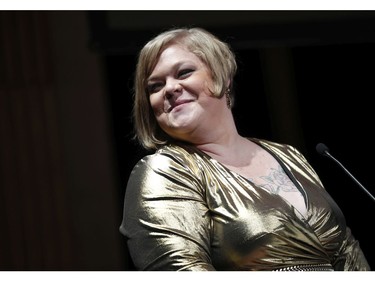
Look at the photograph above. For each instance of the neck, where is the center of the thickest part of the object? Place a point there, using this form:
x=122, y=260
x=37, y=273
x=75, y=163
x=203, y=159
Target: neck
x=226, y=147
x=218, y=131
x=224, y=134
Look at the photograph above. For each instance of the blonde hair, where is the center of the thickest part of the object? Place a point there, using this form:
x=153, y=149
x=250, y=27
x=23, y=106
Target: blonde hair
x=216, y=54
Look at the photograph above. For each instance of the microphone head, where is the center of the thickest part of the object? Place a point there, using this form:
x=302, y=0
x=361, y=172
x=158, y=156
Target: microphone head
x=322, y=149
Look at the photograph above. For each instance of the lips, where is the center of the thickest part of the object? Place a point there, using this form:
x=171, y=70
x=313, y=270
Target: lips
x=178, y=103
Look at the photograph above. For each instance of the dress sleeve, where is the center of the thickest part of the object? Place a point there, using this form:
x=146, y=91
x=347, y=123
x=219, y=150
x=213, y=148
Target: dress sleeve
x=351, y=257
x=166, y=219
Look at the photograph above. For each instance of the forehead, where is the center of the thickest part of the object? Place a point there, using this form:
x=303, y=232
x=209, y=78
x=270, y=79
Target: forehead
x=173, y=57
x=176, y=52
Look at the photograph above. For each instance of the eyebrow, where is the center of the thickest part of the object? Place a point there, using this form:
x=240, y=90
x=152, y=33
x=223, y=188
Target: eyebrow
x=174, y=67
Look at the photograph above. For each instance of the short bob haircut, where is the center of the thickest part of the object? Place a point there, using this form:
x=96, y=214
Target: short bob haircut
x=216, y=54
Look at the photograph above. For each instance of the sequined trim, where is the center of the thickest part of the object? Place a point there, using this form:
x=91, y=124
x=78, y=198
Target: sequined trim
x=307, y=267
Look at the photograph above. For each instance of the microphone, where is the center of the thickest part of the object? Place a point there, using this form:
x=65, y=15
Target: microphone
x=322, y=149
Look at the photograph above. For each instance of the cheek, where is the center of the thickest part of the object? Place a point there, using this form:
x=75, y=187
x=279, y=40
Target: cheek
x=157, y=103
x=205, y=84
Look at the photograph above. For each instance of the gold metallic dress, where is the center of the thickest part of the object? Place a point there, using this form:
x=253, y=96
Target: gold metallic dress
x=184, y=210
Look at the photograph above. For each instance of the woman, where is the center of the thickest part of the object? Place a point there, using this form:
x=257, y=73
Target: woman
x=209, y=198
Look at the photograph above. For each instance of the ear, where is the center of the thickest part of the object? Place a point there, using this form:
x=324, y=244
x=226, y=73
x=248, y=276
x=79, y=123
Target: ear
x=228, y=84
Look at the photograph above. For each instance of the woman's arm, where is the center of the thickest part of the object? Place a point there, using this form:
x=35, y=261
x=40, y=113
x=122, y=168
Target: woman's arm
x=166, y=219
x=351, y=257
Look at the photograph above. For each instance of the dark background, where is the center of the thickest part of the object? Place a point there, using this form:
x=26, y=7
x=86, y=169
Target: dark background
x=304, y=77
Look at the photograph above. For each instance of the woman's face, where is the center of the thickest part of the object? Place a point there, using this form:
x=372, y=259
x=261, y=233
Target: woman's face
x=179, y=93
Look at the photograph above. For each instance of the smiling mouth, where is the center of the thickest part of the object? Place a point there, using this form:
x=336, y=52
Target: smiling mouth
x=177, y=104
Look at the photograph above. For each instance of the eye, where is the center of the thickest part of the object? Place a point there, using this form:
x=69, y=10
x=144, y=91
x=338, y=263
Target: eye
x=154, y=87
x=185, y=72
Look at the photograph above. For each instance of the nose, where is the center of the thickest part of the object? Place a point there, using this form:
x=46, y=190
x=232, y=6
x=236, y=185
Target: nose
x=172, y=87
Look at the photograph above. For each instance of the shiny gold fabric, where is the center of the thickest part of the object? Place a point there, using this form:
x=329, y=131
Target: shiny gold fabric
x=185, y=211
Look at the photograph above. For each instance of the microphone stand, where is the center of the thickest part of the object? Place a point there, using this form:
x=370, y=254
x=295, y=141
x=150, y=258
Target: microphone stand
x=326, y=153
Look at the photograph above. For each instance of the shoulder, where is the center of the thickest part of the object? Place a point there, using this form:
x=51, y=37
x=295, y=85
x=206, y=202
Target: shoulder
x=291, y=157
x=287, y=153
x=171, y=170
x=276, y=147
x=174, y=159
